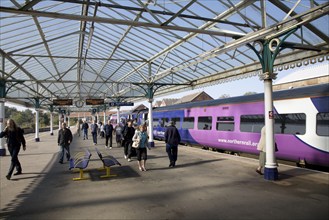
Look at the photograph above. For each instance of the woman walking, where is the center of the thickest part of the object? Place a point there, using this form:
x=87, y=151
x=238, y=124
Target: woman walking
x=141, y=151
x=15, y=139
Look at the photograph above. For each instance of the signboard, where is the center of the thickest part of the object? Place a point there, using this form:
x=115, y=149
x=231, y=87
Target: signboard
x=62, y=102
x=111, y=104
x=94, y=101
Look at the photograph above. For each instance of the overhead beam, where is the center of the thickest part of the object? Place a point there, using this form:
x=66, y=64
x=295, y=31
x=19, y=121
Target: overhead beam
x=168, y=13
x=75, y=58
x=178, y=13
x=118, y=21
x=266, y=33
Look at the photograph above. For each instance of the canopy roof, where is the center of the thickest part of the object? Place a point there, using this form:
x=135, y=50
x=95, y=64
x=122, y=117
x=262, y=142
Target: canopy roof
x=86, y=49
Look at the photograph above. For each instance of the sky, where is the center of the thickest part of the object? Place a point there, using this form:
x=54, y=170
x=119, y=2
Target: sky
x=233, y=88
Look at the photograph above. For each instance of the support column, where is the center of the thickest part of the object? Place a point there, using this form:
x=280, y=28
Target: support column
x=150, y=120
x=51, y=119
x=59, y=120
x=118, y=115
x=270, y=171
x=267, y=52
x=37, y=139
x=2, y=126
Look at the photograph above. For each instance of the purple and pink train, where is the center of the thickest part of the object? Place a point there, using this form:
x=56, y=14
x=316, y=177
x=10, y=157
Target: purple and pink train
x=234, y=124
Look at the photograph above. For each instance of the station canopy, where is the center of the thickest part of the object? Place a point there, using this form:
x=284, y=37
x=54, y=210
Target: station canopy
x=119, y=49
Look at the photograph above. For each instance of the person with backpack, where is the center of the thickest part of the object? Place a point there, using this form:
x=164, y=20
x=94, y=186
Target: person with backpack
x=15, y=138
x=108, y=130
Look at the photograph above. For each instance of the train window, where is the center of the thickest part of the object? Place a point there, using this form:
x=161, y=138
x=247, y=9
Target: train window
x=164, y=122
x=225, y=123
x=204, y=123
x=251, y=123
x=322, y=122
x=188, y=123
x=155, y=122
x=177, y=122
x=290, y=123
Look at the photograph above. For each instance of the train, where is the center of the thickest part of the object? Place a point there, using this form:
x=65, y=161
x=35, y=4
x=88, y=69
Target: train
x=233, y=124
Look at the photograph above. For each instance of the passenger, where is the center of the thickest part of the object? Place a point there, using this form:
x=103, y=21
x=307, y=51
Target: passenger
x=118, y=134
x=128, y=134
x=64, y=140
x=108, y=130
x=262, y=151
x=261, y=146
x=172, y=139
x=85, y=127
x=15, y=139
x=122, y=134
x=205, y=127
x=94, y=130
x=142, y=137
x=101, y=130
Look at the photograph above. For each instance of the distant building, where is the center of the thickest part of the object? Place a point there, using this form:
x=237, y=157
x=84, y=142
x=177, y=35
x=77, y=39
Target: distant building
x=167, y=102
x=157, y=103
x=200, y=96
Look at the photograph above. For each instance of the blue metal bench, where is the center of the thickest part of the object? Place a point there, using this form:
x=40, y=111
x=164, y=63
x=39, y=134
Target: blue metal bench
x=107, y=161
x=80, y=161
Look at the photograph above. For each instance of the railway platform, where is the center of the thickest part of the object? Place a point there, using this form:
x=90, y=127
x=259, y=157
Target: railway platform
x=203, y=185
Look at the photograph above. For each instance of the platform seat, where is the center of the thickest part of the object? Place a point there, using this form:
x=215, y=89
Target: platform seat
x=80, y=161
x=107, y=161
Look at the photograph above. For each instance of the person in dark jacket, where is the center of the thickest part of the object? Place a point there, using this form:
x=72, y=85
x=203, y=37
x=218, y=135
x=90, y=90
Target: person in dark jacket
x=172, y=139
x=128, y=134
x=15, y=139
x=94, y=130
x=64, y=140
x=85, y=127
x=108, y=129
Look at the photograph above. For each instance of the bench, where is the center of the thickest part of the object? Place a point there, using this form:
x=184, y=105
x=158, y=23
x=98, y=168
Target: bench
x=80, y=161
x=107, y=161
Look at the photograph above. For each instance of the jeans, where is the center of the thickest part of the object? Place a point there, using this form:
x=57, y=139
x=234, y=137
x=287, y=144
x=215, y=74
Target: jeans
x=172, y=151
x=107, y=137
x=14, y=160
x=127, y=148
x=85, y=133
x=94, y=134
x=63, y=149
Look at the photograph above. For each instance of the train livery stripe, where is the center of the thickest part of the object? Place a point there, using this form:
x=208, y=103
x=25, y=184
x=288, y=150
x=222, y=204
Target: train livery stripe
x=304, y=105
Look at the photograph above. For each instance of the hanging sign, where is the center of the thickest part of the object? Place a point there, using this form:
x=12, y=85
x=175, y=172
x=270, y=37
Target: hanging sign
x=111, y=104
x=62, y=102
x=94, y=101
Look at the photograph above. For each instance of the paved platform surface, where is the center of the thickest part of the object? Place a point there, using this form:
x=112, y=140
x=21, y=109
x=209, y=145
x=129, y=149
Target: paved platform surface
x=203, y=185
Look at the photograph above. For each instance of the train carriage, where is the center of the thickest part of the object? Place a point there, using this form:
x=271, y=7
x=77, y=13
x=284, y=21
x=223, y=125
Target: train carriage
x=234, y=124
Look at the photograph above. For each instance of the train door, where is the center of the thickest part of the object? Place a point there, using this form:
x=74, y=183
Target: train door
x=187, y=124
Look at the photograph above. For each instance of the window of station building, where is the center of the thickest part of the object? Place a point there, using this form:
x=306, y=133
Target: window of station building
x=177, y=122
x=188, y=123
x=322, y=124
x=290, y=123
x=204, y=123
x=155, y=122
x=225, y=123
x=251, y=123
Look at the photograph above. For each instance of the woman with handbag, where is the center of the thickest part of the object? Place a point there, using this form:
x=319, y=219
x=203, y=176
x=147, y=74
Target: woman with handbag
x=140, y=140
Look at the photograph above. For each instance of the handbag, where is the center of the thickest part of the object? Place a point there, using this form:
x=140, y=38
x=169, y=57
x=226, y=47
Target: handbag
x=136, y=143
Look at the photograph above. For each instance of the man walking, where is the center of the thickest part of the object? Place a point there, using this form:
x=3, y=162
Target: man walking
x=172, y=139
x=64, y=140
x=108, y=129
